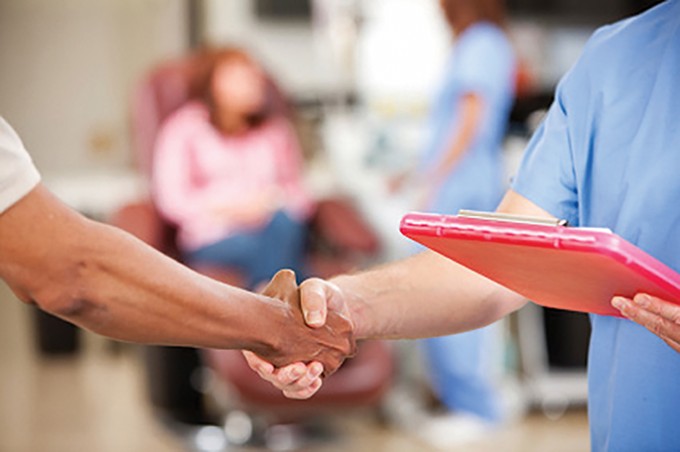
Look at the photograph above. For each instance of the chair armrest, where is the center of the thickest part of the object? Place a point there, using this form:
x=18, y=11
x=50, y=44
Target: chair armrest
x=338, y=222
x=142, y=220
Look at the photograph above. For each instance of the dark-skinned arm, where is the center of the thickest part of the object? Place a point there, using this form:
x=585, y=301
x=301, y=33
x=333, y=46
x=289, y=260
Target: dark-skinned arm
x=107, y=281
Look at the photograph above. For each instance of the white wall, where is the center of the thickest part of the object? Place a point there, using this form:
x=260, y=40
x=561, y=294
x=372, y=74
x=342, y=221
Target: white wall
x=288, y=49
x=67, y=68
x=401, y=52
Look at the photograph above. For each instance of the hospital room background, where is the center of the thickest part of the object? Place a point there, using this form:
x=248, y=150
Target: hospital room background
x=87, y=84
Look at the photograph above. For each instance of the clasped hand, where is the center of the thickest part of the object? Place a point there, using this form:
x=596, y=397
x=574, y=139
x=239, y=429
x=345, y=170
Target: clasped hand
x=322, y=303
x=324, y=347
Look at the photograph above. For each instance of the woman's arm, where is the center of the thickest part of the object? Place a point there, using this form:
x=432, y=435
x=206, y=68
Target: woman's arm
x=176, y=193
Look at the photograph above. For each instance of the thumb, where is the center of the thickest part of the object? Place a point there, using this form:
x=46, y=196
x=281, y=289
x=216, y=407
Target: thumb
x=314, y=295
x=282, y=285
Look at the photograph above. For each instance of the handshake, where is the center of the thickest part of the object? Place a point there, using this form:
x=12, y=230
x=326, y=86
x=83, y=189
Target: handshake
x=310, y=344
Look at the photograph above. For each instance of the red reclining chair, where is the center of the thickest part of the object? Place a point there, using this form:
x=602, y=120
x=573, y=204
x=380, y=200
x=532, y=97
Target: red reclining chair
x=339, y=233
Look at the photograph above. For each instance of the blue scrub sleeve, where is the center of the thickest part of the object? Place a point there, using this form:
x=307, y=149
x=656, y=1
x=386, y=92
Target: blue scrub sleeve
x=483, y=59
x=546, y=176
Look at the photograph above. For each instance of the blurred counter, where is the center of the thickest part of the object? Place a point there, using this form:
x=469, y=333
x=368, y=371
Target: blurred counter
x=97, y=193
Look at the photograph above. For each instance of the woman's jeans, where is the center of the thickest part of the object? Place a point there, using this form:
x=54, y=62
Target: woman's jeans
x=258, y=254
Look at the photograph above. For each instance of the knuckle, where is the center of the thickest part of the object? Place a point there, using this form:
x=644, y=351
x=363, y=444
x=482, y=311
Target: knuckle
x=267, y=376
x=630, y=311
x=674, y=315
x=303, y=382
x=657, y=325
x=284, y=380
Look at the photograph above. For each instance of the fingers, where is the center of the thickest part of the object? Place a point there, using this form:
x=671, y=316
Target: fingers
x=314, y=294
x=304, y=383
x=304, y=393
x=281, y=378
x=304, y=387
x=282, y=285
x=673, y=344
x=297, y=381
x=660, y=307
x=289, y=375
x=658, y=316
x=263, y=368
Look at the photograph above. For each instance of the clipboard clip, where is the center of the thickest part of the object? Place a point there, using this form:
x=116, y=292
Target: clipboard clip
x=524, y=219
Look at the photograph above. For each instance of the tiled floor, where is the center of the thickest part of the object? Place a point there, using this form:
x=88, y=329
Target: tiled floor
x=96, y=402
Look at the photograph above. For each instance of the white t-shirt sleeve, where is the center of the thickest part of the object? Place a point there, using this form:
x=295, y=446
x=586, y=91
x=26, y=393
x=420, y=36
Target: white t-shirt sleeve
x=18, y=175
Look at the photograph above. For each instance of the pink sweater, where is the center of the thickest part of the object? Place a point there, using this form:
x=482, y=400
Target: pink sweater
x=198, y=172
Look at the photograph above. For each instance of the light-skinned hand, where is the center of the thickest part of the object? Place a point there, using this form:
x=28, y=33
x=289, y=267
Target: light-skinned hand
x=658, y=316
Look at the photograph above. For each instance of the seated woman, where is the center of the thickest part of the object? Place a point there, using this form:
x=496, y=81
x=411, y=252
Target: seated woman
x=227, y=172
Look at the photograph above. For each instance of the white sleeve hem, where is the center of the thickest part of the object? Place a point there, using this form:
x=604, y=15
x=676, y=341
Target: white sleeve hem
x=19, y=185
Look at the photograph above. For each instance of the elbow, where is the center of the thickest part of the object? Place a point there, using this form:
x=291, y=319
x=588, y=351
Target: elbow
x=63, y=294
x=61, y=303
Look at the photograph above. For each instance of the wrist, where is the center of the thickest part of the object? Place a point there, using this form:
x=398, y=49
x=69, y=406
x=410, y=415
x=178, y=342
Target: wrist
x=247, y=321
x=271, y=322
x=359, y=311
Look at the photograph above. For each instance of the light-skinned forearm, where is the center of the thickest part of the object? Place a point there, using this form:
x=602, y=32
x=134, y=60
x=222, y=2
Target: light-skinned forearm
x=423, y=296
x=429, y=295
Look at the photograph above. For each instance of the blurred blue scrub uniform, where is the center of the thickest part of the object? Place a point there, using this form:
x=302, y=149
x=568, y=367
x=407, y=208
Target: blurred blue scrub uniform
x=608, y=155
x=482, y=62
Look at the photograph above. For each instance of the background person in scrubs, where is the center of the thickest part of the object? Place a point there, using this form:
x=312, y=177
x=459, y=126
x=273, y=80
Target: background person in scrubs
x=607, y=155
x=462, y=169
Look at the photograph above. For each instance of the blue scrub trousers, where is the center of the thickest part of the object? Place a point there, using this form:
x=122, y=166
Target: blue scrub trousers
x=464, y=367
x=481, y=62
x=462, y=370
x=258, y=254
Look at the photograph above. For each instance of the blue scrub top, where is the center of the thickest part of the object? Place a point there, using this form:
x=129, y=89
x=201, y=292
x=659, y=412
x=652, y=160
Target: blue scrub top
x=608, y=155
x=481, y=62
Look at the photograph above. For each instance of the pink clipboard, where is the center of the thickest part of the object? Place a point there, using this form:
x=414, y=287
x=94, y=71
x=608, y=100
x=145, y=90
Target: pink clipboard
x=578, y=269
